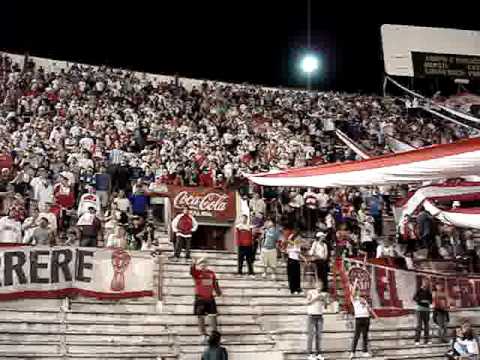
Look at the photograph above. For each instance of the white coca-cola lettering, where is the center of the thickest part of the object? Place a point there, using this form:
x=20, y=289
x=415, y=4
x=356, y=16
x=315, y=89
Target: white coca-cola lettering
x=201, y=202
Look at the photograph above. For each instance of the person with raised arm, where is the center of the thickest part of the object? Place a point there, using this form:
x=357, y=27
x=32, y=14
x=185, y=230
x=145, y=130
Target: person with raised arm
x=206, y=288
x=362, y=312
x=317, y=300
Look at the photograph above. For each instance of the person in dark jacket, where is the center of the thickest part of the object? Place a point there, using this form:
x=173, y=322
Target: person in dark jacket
x=423, y=298
x=214, y=351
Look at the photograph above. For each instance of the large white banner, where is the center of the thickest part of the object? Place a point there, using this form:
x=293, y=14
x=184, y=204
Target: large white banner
x=50, y=272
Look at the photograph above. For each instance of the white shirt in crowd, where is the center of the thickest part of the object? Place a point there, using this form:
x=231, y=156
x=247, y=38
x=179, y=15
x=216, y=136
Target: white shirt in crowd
x=319, y=250
x=323, y=200
x=85, y=164
x=28, y=226
x=258, y=206
x=87, y=201
x=360, y=309
x=10, y=230
x=367, y=232
x=470, y=345
x=316, y=307
x=329, y=124
x=123, y=204
x=115, y=241
x=385, y=251
x=244, y=208
x=330, y=221
x=294, y=252
x=296, y=201
x=86, y=143
x=52, y=220
x=42, y=190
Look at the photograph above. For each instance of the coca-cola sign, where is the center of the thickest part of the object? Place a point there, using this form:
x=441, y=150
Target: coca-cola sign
x=202, y=202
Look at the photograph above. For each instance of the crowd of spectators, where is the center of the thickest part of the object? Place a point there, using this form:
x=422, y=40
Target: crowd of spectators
x=82, y=145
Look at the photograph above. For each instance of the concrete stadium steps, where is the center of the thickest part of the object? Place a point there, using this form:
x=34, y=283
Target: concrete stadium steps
x=392, y=352
x=220, y=269
x=89, y=356
x=284, y=300
x=258, y=318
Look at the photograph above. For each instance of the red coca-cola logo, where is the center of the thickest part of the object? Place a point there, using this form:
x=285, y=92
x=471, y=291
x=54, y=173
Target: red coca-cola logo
x=200, y=201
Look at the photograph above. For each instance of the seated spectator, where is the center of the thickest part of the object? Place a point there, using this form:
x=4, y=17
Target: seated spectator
x=466, y=345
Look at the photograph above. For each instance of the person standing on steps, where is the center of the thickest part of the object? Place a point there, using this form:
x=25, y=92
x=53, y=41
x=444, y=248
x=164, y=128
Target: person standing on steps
x=244, y=240
x=271, y=237
x=362, y=312
x=440, y=312
x=319, y=254
x=206, y=288
x=183, y=226
x=294, y=251
x=317, y=300
x=215, y=351
x=423, y=298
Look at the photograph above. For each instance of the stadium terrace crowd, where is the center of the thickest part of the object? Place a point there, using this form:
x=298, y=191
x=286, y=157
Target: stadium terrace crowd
x=82, y=146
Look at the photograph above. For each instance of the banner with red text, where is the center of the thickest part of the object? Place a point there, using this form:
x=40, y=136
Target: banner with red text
x=55, y=272
x=391, y=290
x=202, y=201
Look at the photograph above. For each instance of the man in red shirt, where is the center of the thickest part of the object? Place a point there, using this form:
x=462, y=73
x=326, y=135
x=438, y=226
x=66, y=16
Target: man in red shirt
x=206, y=288
x=183, y=225
x=244, y=240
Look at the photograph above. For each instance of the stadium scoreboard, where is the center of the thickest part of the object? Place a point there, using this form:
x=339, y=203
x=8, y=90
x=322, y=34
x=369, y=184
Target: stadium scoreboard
x=445, y=65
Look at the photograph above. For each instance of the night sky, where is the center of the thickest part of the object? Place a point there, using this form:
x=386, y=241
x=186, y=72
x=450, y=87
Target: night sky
x=258, y=42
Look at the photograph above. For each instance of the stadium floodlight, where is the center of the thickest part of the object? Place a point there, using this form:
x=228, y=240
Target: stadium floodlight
x=309, y=64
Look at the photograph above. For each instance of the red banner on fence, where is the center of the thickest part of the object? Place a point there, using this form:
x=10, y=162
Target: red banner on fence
x=391, y=290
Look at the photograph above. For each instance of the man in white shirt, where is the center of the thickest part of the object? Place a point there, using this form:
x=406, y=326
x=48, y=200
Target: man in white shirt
x=10, y=229
x=257, y=205
x=88, y=200
x=296, y=203
x=367, y=234
x=317, y=300
x=42, y=188
x=319, y=254
x=323, y=200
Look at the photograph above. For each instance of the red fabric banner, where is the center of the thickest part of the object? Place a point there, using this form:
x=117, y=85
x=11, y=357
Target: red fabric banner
x=391, y=290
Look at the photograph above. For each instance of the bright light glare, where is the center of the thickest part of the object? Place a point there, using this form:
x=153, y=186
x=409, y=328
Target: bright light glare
x=309, y=64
